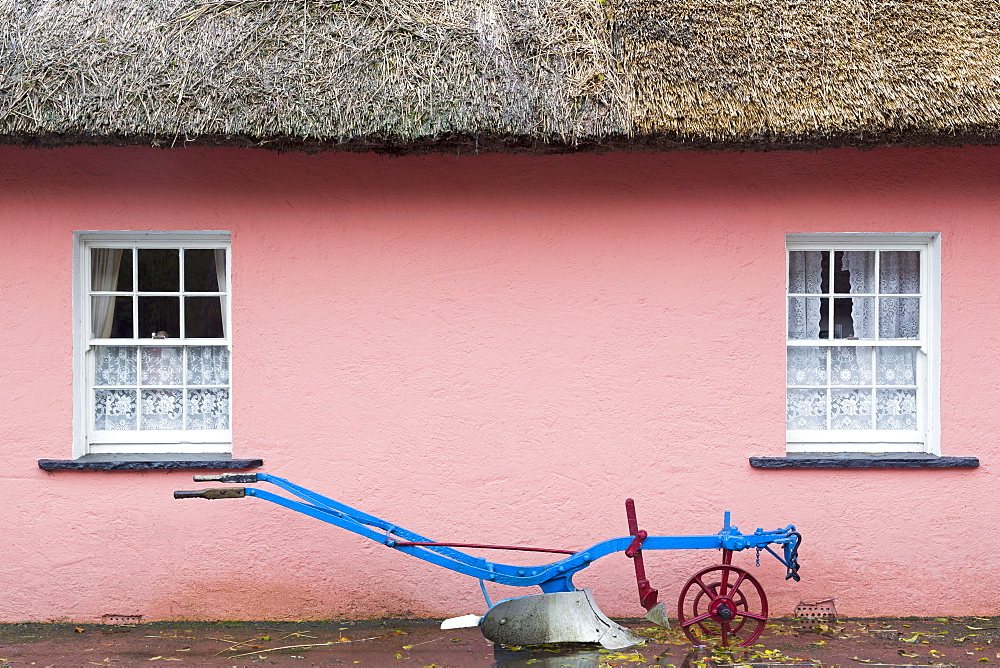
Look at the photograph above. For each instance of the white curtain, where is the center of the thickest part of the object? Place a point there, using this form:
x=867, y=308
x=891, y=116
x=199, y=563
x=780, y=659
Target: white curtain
x=899, y=273
x=104, y=266
x=899, y=317
x=805, y=274
x=861, y=266
x=221, y=274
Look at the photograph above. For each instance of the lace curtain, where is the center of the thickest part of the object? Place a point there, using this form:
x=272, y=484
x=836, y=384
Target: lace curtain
x=899, y=273
x=805, y=272
x=151, y=406
x=854, y=387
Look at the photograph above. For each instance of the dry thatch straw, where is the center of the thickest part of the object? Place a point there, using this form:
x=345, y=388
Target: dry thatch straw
x=733, y=69
x=515, y=74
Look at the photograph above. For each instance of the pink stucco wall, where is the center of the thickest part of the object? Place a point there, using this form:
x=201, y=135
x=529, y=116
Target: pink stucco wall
x=495, y=349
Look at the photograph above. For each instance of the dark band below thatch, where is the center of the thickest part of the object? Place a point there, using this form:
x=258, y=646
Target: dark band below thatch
x=514, y=75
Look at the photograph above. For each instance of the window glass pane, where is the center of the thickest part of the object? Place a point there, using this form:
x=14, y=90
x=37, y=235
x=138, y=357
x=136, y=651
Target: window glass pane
x=159, y=270
x=159, y=317
x=854, y=318
x=208, y=365
x=807, y=318
x=806, y=365
x=805, y=409
x=203, y=317
x=162, y=366
x=208, y=409
x=114, y=410
x=896, y=366
x=808, y=272
x=850, y=365
x=111, y=317
x=899, y=317
x=114, y=365
x=899, y=272
x=851, y=409
x=111, y=269
x=854, y=272
x=895, y=409
x=162, y=409
x=200, y=273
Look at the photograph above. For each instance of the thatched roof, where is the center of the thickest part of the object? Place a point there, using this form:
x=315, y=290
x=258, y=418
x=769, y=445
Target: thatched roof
x=514, y=74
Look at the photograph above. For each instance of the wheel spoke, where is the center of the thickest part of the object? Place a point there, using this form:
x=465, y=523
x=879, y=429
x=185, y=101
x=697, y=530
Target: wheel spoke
x=752, y=615
x=711, y=595
x=735, y=589
x=725, y=634
x=695, y=620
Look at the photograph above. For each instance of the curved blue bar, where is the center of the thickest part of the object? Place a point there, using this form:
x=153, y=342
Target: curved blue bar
x=554, y=577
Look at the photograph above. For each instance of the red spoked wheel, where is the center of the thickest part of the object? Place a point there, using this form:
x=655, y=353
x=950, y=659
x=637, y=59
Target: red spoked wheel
x=722, y=604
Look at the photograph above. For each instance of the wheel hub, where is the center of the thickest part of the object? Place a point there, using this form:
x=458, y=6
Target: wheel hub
x=722, y=609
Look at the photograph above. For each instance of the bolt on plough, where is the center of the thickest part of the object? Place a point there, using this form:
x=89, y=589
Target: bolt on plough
x=721, y=604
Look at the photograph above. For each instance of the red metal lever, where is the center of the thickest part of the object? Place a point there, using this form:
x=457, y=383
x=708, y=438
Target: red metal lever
x=636, y=545
x=647, y=595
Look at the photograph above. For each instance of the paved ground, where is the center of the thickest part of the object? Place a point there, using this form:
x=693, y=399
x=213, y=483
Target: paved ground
x=964, y=642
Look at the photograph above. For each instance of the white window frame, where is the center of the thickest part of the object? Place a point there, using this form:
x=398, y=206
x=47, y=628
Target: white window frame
x=926, y=438
x=87, y=440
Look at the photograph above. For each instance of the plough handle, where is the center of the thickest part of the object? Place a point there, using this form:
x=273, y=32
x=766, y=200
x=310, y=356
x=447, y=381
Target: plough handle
x=227, y=477
x=213, y=493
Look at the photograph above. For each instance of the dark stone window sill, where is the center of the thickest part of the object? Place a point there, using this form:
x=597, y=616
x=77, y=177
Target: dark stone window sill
x=148, y=462
x=861, y=460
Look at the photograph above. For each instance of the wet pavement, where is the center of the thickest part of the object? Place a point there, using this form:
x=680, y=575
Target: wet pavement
x=897, y=642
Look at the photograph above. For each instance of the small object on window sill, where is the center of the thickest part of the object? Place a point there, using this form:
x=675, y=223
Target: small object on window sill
x=148, y=462
x=861, y=460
